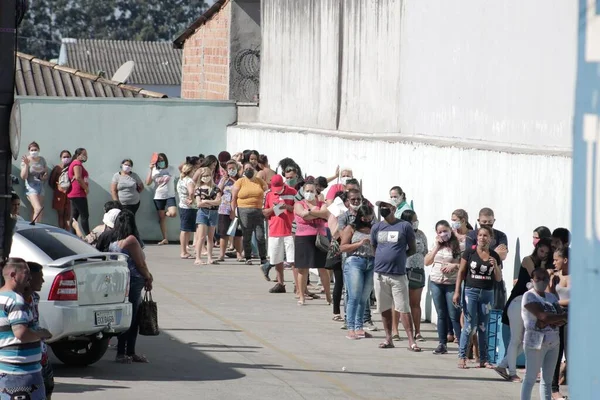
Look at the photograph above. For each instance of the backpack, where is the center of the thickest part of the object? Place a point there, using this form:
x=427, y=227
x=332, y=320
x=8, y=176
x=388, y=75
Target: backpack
x=64, y=183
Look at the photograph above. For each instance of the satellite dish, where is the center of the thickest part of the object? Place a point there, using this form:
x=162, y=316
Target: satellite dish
x=123, y=72
x=15, y=129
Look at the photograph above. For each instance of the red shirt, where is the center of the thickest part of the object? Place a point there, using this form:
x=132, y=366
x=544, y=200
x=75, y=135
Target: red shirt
x=76, y=189
x=281, y=225
x=338, y=187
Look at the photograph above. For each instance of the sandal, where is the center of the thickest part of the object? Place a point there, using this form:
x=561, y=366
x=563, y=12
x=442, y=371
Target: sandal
x=220, y=259
x=364, y=335
x=386, y=345
x=515, y=379
x=462, y=363
x=139, y=359
x=123, y=359
x=352, y=336
x=486, y=365
x=414, y=348
x=337, y=318
x=396, y=338
x=419, y=337
x=187, y=257
x=163, y=242
x=241, y=260
x=502, y=372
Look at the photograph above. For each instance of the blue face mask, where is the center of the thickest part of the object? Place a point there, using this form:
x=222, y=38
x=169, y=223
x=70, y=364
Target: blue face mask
x=160, y=164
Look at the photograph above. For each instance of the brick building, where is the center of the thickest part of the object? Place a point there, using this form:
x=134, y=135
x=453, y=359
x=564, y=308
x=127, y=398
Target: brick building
x=221, y=53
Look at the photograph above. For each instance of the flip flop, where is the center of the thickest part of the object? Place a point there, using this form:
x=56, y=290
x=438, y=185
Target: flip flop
x=188, y=257
x=386, y=345
x=396, y=338
x=364, y=335
x=338, y=318
x=502, y=372
x=163, y=242
x=486, y=365
x=414, y=348
x=462, y=364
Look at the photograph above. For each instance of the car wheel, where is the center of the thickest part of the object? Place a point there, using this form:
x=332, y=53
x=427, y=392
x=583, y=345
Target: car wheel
x=79, y=353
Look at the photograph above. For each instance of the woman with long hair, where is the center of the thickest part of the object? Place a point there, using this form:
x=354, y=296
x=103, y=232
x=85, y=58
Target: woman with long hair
x=265, y=173
x=415, y=270
x=459, y=222
x=126, y=187
x=34, y=171
x=358, y=269
x=163, y=176
x=511, y=316
x=445, y=257
x=479, y=268
x=225, y=216
x=187, y=209
x=78, y=193
x=125, y=240
x=60, y=202
x=208, y=199
x=560, y=286
x=541, y=232
x=311, y=220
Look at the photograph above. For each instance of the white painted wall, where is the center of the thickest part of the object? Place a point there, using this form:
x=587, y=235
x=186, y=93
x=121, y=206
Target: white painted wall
x=525, y=191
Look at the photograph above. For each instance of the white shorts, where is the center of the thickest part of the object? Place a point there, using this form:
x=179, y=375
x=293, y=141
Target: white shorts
x=391, y=291
x=278, y=246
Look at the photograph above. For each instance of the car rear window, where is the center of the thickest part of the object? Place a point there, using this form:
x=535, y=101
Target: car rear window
x=56, y=243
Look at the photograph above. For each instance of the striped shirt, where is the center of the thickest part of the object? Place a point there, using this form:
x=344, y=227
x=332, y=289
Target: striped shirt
x=16, y=358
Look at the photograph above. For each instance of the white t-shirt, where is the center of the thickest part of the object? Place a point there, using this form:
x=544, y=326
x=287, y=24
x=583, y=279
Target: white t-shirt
x=164, y=184
x=182, y=193
x=534, y=337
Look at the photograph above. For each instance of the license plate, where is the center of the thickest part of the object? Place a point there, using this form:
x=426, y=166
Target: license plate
x=105, y=317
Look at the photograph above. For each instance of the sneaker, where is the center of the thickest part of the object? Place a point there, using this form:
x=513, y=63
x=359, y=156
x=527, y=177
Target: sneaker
x=441, y=349
x=370, y=326
x=231, y=254
x=344, y=327
x=248, y=262
x=278, y=288
x=265, y=268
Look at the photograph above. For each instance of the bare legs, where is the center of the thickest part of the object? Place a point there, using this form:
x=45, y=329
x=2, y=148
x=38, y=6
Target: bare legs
x=184, y=240
x=326, y=282
x=301, y=279
x=163, y=226
x=37, y=204
x=415, y=308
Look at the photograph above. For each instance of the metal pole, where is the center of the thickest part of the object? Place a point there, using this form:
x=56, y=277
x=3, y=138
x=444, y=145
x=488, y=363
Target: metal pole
x=8, y=34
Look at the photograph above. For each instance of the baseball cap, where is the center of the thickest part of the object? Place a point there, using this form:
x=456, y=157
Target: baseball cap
x=277, y=182
x=110, y=217
x=383, y=203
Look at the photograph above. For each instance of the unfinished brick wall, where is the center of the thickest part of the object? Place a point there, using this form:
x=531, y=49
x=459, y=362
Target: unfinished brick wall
x=206, y=59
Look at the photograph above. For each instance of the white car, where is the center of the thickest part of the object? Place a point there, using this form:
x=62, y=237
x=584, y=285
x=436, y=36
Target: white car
x=84, y=299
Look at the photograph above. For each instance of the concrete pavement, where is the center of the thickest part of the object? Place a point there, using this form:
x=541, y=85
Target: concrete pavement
x=223, y=336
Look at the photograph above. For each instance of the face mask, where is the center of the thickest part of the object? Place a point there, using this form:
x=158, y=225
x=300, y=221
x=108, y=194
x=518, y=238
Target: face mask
x=445, y=236
x=232, y=172
x=344, y=180
x=354, y=206
x=535, y=242
x=310, y=196
x=126, y=168
x=161, y=164
x=415, y=225
x=291, y=181
x=455, y=225
x=385, y=212
x=83, y=159
x=540, y=286
x=394, y=201
x=249, y=173
x=205, y=179
x=34, y=153
x=66, y=160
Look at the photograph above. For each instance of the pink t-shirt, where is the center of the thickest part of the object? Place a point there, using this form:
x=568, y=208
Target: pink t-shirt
x=338, y=187
x=76, y=189
x=312, y=227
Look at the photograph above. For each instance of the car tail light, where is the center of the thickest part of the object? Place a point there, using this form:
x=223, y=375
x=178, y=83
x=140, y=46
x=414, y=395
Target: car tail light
x=64, y=287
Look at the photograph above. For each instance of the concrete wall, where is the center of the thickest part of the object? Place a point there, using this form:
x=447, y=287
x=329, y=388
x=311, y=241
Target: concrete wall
x=206, y=58
x=500, y=73
x=245, y=37
x=114, y=129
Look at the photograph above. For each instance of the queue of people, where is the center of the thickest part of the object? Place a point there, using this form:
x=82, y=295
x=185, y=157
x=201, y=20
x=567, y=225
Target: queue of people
x=284, y=218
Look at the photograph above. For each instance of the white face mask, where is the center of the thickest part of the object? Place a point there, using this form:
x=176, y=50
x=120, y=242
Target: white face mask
x=34, y=153
x=415, y=225
x=455, y=225
x=344, y=179
x=126, y=168
x=66, y=160
x=540, y=286
x=206, y=179
x=310, y=196
x=395, y=201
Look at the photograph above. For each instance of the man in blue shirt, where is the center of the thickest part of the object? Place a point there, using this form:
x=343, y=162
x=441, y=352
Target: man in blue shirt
x=393, y=240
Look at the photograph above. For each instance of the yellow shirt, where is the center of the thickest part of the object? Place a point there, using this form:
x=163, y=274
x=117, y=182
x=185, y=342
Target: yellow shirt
x=251, y=192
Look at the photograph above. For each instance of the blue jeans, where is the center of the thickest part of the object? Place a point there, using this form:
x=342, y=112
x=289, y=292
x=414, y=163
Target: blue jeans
x=477, y=304
x=358, y=277
x=127, y=339
x=442, y=300
x=544, y=358
x=29, y=386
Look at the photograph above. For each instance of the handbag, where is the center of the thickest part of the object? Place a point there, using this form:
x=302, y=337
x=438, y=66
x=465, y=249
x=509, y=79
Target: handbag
x=148, y=316
x=322, y=243
x=416, y=275
x=334, y=256
x=233, y=227
x=499, y=295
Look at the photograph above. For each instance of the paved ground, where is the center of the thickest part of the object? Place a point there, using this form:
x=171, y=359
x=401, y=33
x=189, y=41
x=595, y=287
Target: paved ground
x=225, y=337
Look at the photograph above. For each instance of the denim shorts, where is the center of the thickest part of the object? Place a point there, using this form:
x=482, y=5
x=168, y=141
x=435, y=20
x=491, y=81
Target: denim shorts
x=164, y=204
x=187, y=219
x=28, y=386
x=34, y=188
x=207, y=217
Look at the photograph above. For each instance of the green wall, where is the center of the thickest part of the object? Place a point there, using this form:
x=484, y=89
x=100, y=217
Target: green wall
x=114, y=129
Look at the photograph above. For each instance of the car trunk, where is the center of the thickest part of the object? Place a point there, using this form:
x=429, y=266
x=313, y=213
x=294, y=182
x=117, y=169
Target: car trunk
x=101, y=282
